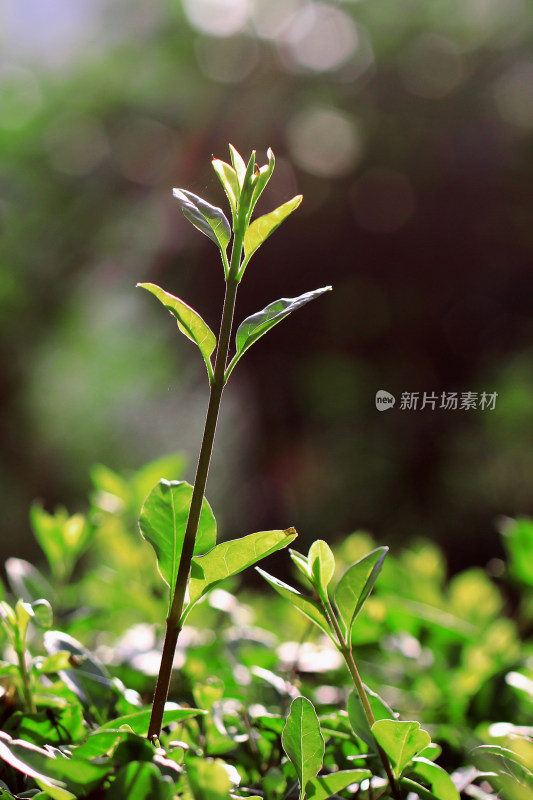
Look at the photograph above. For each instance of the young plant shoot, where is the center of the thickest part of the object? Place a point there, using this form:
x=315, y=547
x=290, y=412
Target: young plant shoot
x=176, y=518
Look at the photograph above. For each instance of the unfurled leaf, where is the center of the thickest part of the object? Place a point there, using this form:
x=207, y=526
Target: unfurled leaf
x=325, y=786
x=302, y=741
x=230, y=182
x=252, y=328
x=400, y=740
x=438, y=779
x=189, y=322
x=261, y=228
x=302, y=563
x=141, y=780
x=306, y=605
x=230, y=558
x=163, y=522
x=209, y=219
x=357, y=716
x=239, y=165
x=356, y=584
x=140, y=720
x=263, y=177
x=322, y=565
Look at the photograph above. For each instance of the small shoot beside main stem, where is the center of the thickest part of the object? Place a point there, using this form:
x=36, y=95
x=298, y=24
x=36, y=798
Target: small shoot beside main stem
x=176, y=519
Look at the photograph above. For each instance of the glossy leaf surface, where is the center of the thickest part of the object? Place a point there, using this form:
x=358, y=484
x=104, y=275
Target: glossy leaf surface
x=356, y=584
x=230, y=558
x=209, y=219
x=322, y=565
x=139, y=720
x=324, y=786
x=261, y=228
x=400, y=740
x=306, y=605
x=302, y=741
x=189, y=322
x=163, y=522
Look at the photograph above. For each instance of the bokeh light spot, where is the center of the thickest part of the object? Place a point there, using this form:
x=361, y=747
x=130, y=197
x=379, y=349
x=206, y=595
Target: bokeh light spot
x=382, y=200
x=320, y=37
x=513, y=94
x=432, y=66
x=20, y=96
x=227, y=60
x=217, y=17
x=269, y=19
x=76, y=143
x=324, y=141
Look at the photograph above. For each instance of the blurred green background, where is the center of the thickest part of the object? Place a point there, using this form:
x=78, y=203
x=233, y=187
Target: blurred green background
x=408, y=127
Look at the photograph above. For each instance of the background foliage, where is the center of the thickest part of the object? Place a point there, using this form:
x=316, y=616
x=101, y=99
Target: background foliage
x=407, y=127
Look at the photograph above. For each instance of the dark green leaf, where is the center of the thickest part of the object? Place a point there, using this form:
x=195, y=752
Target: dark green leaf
x=306, y=605
x=189, y=322
x=163, y=522
x=252, y=328
x=230, y=558
x=261, y=228
x=400, y=740
x=356, y=584
x=325, y=786
x=209, y=219
x=302, y=741
x=53, y=726
x=140, y=780
x=357, y=715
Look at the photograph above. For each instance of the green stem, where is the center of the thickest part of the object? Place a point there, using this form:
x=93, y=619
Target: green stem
x=174, y=623
x=25, y=680
x=346, y=650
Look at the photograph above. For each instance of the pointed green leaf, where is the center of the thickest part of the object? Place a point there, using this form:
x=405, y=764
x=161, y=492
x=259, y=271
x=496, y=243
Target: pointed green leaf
x=439, y=781
x=239, y=165
x=357, y=716
x=302, y=563
x=302, y=741
x=228, y=179
x=261, y=228
x=252, y=328
x=163, y=521
x=400, y=740
x=140, y=720
x=322, y=564
x=189, y=322
x=356, y=584
x=263, y=177
x=325, y=786
x=209, y=219
x=230, y=558
x=309, y=607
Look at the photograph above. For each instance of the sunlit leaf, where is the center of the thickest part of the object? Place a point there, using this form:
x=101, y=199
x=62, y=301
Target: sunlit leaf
x=253, y=327
x=438, y=779
x=263, y=177
x=239, y=164
x=261, y=228
x=230, y=558
x=189, y=322
x=400, y=740
x=208, y=779
x=42, y=613
x=324, y=786
x=306, y=605
x=140, y=720
x=356, y=584
x=163, y=522
x=228, y=179
x=322, y=564
x=302, y=741
x=61, y=537
x=209, y=219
